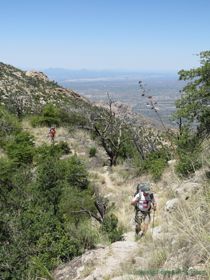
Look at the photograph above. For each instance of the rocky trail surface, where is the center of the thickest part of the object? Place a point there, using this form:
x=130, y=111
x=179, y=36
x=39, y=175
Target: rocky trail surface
x=133, y=259
x=100, y=263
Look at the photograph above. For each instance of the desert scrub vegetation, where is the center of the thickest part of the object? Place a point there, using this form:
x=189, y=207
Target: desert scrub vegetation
x=102, y=179
x=119, y=181
x=191, y=224
x=92, y=151
x=155, y=164
x=38, y=206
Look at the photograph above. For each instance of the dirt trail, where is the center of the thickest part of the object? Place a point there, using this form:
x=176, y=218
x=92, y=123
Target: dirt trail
x=106, y=262
x=108, y=181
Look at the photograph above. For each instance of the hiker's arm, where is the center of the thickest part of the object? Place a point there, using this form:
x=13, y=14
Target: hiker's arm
x=133, y=202
x=154, y=204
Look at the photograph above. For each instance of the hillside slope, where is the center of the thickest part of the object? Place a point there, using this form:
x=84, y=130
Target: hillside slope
x=177, y=244
x=31, y=89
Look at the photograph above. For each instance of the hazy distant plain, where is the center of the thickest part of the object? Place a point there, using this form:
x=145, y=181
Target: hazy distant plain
x=124, y=87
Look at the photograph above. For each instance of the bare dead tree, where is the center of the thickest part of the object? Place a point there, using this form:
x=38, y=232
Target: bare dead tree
x=19, y=102
x=144, y=140
x=38, y=108
x=109, y=129
x=155, y=109
x=101, y=206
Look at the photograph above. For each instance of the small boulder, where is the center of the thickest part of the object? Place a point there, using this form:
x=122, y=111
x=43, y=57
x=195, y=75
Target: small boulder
x=191, y=187
x=171, y=162
x=99, y=245
x=156, y=230
x=128, y=236
x=171, y=204
x=124, y=246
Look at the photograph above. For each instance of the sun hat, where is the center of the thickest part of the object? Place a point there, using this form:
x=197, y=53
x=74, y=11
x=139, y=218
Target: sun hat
x=146, y=188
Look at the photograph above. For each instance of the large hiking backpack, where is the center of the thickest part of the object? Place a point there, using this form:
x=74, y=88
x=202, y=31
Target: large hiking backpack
x=138, y=190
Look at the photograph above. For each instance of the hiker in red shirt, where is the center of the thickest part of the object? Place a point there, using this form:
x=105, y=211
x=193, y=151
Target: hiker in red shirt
x=52, y=132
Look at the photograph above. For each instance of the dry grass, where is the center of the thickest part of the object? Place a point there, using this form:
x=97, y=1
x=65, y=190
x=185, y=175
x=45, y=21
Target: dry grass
x=191, y=221
x=102, y=179
x=87, y=270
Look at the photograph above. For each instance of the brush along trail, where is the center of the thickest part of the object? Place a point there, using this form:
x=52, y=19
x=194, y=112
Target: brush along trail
x=160, y=249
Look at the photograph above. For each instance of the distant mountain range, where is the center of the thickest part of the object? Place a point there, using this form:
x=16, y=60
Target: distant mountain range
x=61, y=74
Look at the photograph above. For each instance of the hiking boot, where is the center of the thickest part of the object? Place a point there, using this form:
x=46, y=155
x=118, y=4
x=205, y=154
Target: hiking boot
x=137, y=231
x=141, y=234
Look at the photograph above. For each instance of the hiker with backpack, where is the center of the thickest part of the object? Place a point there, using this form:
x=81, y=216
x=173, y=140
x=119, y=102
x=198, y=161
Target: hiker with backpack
x=52, y=133
x=142, y=202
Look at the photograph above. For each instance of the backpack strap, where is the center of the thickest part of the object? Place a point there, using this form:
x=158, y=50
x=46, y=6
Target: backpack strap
x=151, y=197
x=137, y=203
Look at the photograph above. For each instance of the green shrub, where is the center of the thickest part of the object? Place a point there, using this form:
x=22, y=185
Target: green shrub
x=35, y=121
x=47, y=190
x=92, y=151
x=32, y=227
x=64, y=147
x=73, y=200
x=123, y=151
x=157, y=167
x=84, y=233
x=50, y=115
x=65, y=118
x=53, y=150
x=44, y=238
x=25, y=232
x=71, y=118
x=56, y=245
x=46, y=151
x=187, y=164
x=9, y=126
x=37, y=270
x=155, y=163
x=76, y=174
x=22, y=148
x=109, y=226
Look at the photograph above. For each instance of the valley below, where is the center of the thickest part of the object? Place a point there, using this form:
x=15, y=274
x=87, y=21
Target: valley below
x=163, y=87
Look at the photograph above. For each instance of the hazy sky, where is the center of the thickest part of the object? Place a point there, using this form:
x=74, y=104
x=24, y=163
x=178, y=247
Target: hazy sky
x=104, y=34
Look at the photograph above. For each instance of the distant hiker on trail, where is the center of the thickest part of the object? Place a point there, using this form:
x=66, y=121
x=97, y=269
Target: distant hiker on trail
x=142, y=202
x=52, y=133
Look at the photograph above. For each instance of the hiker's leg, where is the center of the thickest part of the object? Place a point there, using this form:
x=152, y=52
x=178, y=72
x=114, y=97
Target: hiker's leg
x=138, y=220
x=138, y=228
x=145, y=228
x=146, y=222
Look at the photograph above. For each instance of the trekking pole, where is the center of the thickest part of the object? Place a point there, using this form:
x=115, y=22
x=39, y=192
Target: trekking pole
x=153, y=221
